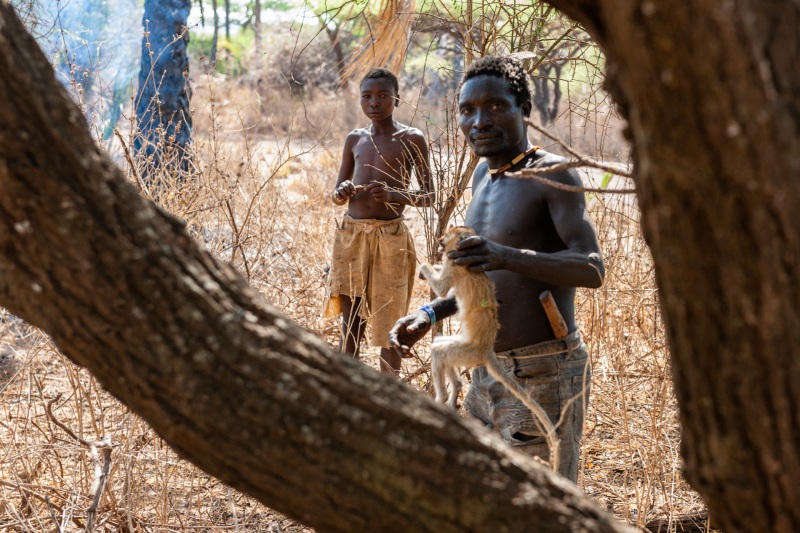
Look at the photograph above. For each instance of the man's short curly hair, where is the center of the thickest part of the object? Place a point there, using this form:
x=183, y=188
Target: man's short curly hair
x=382, y=73
x=505, y=67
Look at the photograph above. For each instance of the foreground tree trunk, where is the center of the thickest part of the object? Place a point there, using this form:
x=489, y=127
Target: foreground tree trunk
x=235, y=388
x=710, y=90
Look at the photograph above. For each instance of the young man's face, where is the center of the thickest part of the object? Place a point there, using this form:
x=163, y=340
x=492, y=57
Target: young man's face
x=378, y=98
x=490, y=118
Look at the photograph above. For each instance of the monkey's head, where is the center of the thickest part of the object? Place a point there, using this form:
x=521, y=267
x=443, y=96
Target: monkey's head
x=452, y=236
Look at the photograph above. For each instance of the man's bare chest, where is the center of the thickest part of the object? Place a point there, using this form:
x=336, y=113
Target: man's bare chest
x=382, y=153
x=512, y=212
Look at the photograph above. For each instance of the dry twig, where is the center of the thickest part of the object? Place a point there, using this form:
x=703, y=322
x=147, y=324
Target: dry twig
x=102, y=465
x=581, y=161
x=136, y=178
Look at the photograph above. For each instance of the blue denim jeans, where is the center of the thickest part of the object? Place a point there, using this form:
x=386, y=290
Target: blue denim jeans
x=556, y=374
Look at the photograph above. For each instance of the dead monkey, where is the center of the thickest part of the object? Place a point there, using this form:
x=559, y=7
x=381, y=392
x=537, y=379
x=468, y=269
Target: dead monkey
x=474, y=346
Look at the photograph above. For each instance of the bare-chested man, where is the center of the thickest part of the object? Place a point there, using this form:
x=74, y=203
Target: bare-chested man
x=374, y=262
x=531, y=237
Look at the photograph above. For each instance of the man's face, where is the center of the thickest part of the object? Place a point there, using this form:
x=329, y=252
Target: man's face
x=378, y=98
x=490, y=118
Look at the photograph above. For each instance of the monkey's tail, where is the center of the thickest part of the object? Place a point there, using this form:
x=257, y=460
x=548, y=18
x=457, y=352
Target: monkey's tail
x=539, y=414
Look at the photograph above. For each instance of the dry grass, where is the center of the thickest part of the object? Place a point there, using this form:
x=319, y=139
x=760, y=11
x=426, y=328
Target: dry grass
x=258, y=198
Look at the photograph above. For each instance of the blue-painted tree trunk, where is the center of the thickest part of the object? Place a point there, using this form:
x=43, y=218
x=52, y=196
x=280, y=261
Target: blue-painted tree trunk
x=162, y=108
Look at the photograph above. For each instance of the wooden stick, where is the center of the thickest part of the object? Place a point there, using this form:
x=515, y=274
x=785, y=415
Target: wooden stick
x=554, y=315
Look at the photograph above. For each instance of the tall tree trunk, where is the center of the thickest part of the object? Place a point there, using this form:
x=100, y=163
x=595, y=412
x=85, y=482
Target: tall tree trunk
x=710, y=90
x=234, y=387
x=338, y=49
x=469, y=44
x=228, y=20
x=215, y=37
x=162, y=108
x=257, y=30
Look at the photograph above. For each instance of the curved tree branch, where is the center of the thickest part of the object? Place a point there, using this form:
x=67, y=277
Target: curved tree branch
x=233, y=386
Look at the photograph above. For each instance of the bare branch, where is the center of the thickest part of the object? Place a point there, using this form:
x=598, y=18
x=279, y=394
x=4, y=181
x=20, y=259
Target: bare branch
x=534, y=174
x=581, y=161
x=137, y=179
x=586, y=161
x=102, y=466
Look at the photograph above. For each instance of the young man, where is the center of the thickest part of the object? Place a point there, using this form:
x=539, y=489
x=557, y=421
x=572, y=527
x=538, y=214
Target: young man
x=374, y=262
x=531, y=238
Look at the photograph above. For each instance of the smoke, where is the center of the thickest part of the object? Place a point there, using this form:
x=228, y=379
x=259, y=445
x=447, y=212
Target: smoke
x=95, y=47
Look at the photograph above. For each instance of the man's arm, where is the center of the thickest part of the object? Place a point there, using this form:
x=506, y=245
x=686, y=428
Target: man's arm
x=582, y=262
x=410, y=329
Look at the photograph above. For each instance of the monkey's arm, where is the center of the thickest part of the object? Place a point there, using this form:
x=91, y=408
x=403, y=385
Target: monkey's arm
x=427, y=270
x=438, y=278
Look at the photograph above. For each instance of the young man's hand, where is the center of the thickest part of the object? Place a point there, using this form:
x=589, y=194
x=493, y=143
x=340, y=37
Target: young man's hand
x=380, y=193
x=347, y=189
x=407, y=331
x=480, y=254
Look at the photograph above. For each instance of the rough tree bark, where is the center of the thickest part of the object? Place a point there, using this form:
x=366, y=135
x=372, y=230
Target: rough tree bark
x=234, y=387
x=710, y=90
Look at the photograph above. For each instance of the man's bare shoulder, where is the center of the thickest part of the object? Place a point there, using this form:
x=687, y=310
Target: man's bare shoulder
x=357, y=133
x=354, y=136
x=543, y=159
x=410, y=133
